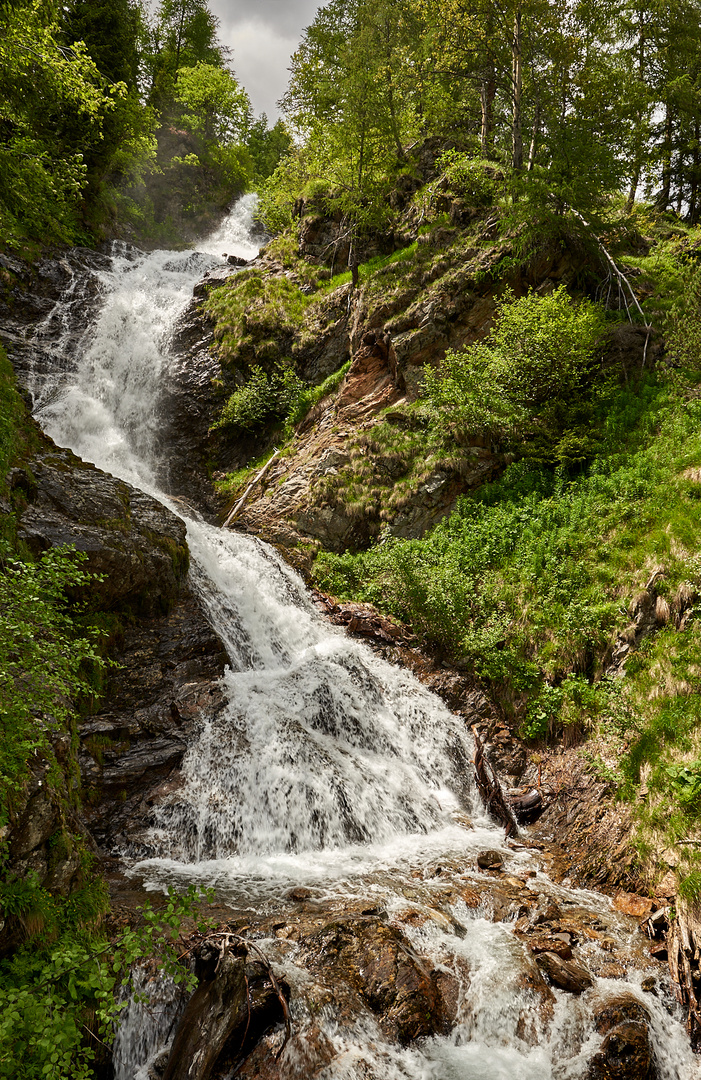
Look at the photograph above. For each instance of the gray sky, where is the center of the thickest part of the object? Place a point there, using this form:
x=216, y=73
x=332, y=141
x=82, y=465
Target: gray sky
x=263, y=34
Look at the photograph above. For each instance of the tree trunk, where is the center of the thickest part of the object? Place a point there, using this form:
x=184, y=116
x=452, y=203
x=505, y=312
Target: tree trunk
x=664, y=195
x=694, y=194
x=209, y=1018
x=534, y=137
x=488, y=91
x=638, y=146
x=517, y=133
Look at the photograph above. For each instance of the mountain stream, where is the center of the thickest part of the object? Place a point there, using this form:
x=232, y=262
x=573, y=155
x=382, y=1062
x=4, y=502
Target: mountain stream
x=334, y=785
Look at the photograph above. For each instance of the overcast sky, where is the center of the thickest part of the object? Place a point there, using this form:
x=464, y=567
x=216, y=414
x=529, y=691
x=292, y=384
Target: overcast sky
x=263, y=34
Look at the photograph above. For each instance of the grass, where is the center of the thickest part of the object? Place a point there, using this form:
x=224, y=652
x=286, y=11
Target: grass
x=530, y=582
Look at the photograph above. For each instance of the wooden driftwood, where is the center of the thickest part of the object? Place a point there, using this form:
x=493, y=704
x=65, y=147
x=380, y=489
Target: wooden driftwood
x=240, y=504
x=526, y=806
x=684, y=955
x=490, y=789
x=225, y=1010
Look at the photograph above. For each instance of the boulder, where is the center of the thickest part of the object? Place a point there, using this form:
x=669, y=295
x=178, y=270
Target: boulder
x=625, y=1054
x=566, y=974
x=490, y=860
x=396, y=984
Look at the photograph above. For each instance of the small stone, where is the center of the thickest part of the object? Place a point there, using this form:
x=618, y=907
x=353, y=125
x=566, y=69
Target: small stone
x=490, y=860
x=649, y=985
x=630, y=904
x=551, y=944
x=298, y=894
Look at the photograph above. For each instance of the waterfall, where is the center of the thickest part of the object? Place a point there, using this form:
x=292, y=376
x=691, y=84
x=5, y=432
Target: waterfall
x=329, y=767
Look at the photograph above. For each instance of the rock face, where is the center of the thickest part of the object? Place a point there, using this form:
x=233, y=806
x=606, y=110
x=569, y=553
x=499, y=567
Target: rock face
x=190, y=403
x=168, y=660
x=132, y=540
x=165, y=687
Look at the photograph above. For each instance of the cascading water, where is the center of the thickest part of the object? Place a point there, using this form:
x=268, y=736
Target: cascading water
x=329, y=767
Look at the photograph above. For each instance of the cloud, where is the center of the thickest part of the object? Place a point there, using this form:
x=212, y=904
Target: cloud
x=262, y=35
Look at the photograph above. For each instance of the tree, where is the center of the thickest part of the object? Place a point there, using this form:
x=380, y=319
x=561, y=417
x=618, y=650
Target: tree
x=185, y=34
x=52, y=110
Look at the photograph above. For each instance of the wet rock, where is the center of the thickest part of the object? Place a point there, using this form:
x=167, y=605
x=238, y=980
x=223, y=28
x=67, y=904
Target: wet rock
x=541, y=1006
x=397, y=985
x=490, y=860
x=566, y=974
x=630, y=904
x=620, y=1010
x=307, y=1055
x=132, y=540
x=190, y=401
x=165, y=687
x=552, y=944
x=547, y=911
x=299, y=894
x=625, y=1054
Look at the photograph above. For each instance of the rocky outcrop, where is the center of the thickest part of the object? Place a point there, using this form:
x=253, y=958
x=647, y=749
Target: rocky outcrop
x=166, y=661
x=135, y=545
x=164, y=687
x=392, y=980
x=41, y=338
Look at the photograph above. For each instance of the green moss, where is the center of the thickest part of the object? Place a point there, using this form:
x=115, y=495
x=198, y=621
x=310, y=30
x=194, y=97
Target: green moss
x=179, y=553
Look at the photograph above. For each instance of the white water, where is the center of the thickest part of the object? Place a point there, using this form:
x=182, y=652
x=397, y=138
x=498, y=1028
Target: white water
x=329, y=766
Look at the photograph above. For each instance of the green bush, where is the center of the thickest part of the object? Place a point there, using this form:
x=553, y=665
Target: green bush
x=683, y=322
x=264, y=398
x=41, y=654
x=312, y=395
x=541, y=351
x=468, y=177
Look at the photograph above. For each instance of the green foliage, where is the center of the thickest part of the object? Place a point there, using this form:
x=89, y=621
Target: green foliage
x=11, y=414
x=251, y=309
x=541, y=349
x=40, y=659
x=213, y=104
x=524, y=580
x=52, y=108
x=59, y=992
x=264, y=398
x=683, y=324
x=312, y=395
x=267, y=147
x=689, y=887
x=573, y=701
x=468, y=177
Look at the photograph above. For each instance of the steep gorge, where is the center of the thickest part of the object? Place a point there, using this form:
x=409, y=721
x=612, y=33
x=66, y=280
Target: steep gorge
x=368, y=883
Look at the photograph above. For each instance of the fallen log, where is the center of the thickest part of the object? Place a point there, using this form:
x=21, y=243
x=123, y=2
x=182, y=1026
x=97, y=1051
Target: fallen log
x=490, y=789
x=684, y=953
x=526, y=807
x=239, y=505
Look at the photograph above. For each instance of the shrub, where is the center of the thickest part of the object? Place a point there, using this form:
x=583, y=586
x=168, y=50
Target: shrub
x=468, y=177
x=541, y=350
x=262, y=399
